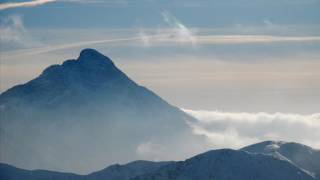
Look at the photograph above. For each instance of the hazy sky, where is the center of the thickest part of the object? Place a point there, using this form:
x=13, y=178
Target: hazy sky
x=221, y=56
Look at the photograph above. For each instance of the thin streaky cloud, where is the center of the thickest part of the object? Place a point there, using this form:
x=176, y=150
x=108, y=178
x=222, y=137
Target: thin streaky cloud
x=10, y=5
x=234, y=39
x=167, y=39
x=41, y=50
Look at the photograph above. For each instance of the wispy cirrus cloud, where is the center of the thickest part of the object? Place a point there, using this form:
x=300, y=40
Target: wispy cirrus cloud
x=180, y=31
x=175, y=31
x=13, y=33
x=242, y=39
x=11, y=29
x=236, y=129
x=166, y=39
x=9, y=5
x=228, y=39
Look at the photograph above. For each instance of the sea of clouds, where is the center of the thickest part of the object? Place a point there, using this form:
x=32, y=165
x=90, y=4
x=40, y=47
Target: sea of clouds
x=237, y=129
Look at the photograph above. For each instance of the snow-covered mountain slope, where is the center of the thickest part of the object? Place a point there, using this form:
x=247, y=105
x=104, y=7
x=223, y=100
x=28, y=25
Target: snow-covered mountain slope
x=113, y=172
x=223, y=164
x=86, y=113
x=127, y=171
x=301, y=155
x=226, y=164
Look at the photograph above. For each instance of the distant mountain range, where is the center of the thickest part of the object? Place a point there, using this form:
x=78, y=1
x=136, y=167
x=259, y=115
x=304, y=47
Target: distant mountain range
x=86, y=113
x=249, y=163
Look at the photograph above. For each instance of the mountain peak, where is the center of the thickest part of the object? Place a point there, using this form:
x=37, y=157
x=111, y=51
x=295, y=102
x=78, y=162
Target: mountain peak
x=90, y=65
x=90, y=72
x=272, y=146
x=301, y=155
x=91, y=56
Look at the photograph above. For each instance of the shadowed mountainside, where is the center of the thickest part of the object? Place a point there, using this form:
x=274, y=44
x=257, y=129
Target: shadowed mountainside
x=86, y=113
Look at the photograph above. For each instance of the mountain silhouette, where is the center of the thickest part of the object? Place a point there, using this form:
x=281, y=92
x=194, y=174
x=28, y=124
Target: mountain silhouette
x=86, y=113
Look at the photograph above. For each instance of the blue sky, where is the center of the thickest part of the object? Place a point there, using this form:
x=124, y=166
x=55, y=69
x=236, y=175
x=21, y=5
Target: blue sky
x=204, y=13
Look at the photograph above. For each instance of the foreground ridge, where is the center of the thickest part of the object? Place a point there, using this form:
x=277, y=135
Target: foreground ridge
x=219, y=164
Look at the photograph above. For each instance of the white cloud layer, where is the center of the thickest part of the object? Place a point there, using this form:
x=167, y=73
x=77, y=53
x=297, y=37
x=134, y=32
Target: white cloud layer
x=229, y=129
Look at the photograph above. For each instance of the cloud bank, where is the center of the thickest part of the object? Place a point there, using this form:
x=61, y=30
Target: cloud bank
x=230, y=129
